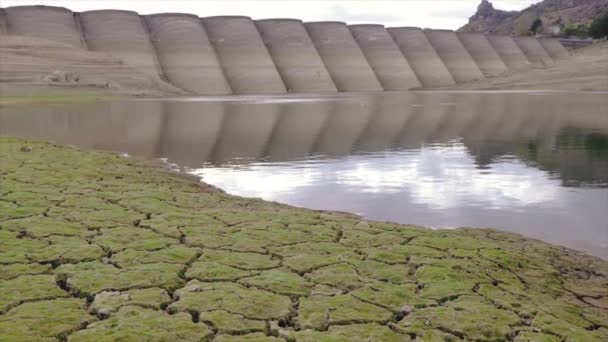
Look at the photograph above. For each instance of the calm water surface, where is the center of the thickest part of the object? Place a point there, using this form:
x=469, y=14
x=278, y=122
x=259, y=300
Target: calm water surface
x=530, y=163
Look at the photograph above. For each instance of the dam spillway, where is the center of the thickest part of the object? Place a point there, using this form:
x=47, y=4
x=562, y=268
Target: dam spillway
x=121, y=34
x=422, y=57
x=537, y=55
x=484, y=54
x=52, y=23
x=243, y=55
x=453, y=54
x=343, y=57
x=554, y=48
x=295, y=56
x=226, y=55
x=385, y=58
x=509, y=52
x=186, y=55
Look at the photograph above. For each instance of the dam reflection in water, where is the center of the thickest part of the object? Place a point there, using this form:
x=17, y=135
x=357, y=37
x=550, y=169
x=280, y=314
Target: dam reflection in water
x=535, y=164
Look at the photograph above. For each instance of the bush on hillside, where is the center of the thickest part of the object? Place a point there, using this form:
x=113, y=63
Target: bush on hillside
x=579, y=31
x=599, y=27
x=536, y=26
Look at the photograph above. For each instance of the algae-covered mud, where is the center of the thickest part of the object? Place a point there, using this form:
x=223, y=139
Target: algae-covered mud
x=97, y=247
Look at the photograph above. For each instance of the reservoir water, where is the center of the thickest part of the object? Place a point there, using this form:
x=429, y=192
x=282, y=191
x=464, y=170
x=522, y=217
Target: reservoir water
x=530, y=163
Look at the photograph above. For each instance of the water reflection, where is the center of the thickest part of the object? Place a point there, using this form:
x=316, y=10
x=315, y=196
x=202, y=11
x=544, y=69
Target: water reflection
x=537, y=165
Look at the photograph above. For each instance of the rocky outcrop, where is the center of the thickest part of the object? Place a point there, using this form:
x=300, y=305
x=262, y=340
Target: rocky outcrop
x=487, y=18
x=554, y=14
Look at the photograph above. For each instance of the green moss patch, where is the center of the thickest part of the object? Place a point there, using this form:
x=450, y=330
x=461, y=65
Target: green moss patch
x=98, y=247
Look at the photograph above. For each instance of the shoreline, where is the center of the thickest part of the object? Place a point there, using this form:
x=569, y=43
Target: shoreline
x=102, y=245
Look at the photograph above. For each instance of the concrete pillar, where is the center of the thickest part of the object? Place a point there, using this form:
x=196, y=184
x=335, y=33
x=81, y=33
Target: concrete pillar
x=344, y=125
x=52, y=23
x=342, y=56
x=121, y=34
x=190, y=131
x=534, y=51
x=455, y=57
x=509, y=51
x=297, y=129
x=243, y=55
x=186, y=55
x=422, y=57
x=429, y=112
x=246, y=131
x=391, y=68
x=295, y=56
x=391, y=112
x=554, y=48
x=3, y=25
x=487, y=59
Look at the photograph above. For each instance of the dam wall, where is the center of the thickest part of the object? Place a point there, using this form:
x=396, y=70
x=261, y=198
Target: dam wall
x=483, y=53
x=421, y=55
x=225, y=55
x=52, y=23
x=385, y=58
x=554, y=48
x=342, y=56
x=295, y=56
x=453, y=54
x=186, y=55
x=3, y=26
x=243, y=55
x=122, y=34
x=535, y=52
x=509, y=52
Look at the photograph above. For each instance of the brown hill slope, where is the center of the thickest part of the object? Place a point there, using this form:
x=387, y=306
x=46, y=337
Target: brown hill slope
x=553, y=14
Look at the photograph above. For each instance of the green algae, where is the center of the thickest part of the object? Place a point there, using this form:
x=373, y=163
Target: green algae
x=41, y=226
x=214, y=271
x=245, y=261
x=106, y=303
x=154, y=252
x=256, y=337
x=174, y=254
x=351, y=333
x=132, y=323
x=28, y=288
x=234, y=324
x=90, y=278
x=280, y=281
x=121, y=238
x=319, y=312
x=397, y=298
x=233, y=298
x=469, y=316
x=15, y=270
x=44, y=320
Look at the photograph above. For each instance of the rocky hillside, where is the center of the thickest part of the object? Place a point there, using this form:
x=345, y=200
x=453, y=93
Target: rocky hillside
x=555, y=15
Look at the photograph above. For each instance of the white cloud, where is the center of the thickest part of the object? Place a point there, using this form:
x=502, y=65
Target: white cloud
x=449, y=14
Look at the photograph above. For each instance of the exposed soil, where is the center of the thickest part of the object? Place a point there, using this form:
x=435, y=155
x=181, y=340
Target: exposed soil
x=31, y=64
x=585, y=70
x=98, y=247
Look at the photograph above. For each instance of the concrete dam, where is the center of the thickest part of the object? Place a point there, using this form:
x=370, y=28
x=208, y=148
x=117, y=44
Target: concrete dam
x=226, y=55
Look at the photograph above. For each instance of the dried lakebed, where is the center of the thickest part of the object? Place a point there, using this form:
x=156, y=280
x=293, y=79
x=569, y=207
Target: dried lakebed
x=97, y=247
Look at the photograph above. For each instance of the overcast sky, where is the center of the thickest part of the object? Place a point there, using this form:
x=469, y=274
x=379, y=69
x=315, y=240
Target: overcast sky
x=440, y=14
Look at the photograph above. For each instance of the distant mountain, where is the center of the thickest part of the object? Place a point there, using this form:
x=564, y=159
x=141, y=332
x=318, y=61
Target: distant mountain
x=555, y=16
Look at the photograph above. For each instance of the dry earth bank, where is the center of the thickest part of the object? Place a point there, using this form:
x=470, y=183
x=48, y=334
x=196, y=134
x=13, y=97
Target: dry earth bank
x=585, y=70
x=97, y=247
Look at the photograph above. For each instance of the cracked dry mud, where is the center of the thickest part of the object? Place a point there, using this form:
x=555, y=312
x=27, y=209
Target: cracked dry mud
x=97, y=247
